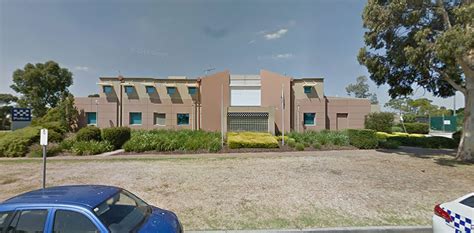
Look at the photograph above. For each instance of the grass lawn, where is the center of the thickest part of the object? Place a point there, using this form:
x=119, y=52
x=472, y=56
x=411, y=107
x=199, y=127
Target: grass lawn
x=268, y=190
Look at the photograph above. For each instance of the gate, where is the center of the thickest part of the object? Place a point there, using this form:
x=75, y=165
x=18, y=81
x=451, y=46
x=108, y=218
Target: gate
x=443, y=123
x=247, y=121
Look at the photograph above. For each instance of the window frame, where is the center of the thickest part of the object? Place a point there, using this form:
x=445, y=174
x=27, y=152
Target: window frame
x=177, y=119
x=154, y=118
x=107, y=87
x=314, y=119
x=130, y=118
x=129, y=87
x=169, y=92
x=308, y=89
x=87, y=118
x=92, y=218
x=47, y=224
x=194, y=92
x=8, y=219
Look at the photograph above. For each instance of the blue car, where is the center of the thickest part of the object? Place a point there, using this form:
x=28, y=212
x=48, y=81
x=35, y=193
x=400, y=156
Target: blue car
x=84, y=208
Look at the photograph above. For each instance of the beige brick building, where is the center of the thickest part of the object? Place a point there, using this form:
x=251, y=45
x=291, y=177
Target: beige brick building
x=267, y=102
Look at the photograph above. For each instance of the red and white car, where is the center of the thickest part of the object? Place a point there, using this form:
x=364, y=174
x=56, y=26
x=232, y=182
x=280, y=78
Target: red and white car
x=455, y=216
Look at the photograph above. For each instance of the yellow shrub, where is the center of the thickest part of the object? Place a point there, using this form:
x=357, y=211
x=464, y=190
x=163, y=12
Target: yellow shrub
x=251, y=140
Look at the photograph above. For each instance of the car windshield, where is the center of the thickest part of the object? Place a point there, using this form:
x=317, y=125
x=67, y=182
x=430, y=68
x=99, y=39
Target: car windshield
x=122, y=212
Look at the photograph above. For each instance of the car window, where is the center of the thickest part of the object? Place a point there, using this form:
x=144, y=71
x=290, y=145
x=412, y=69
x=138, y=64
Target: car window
x=3, y=219
x=72, y=222
x=468, y=201
x=28, y=221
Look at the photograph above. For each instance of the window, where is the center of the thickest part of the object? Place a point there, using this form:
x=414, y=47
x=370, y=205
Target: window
x=308, y=89
x=309, y=118
x=171, y=90
x=71, y=222
x=183, y=118
x=135, y=118
x=91, y=118
x=192, y=90
x=150, y=89
x=160, y=119
x=3, y=219
x=129, y=89
x=28, y=221
x=123, y=212
x=468, y=201
x=107, y=89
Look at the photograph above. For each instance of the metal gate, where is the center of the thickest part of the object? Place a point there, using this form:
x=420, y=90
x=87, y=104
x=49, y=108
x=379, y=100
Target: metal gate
x=247, y=121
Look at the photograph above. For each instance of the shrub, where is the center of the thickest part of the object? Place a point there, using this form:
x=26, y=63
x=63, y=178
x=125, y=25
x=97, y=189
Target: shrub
x=457, y=136
x=279, y=137
x=251, y=140
x=397, y=129
x=425, y=142
x=291, y=142
x=317, y=145
x=324, y=137
x=67, y=143
x=379, y=121
x=363, y=138
x=91, y=147
x=16, y=143
x=420, y=128
x=37, y=151
x=117, y=136
x=89, y=133
x=389, y=144
x=173, y=140
x=299, y=146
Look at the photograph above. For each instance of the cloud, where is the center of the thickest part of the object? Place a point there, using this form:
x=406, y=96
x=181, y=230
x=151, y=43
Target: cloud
x=148, y=52
x=275, y=34
x=282, y=56
x=81, y=68
x=215, y=32
x=251, y=42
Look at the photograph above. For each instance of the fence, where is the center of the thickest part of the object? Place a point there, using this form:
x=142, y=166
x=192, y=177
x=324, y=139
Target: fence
x=443, y=123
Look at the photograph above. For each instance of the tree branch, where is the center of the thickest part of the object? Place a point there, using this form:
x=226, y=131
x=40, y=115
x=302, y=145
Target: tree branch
x=444, y=13
x=452, y=83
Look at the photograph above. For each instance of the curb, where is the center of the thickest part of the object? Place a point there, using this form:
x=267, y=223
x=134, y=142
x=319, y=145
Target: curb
x=110, y=153
x=374, y=229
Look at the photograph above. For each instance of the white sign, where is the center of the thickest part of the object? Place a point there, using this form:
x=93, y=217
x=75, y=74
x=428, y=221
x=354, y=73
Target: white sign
x=447, y=122
x=44, y=137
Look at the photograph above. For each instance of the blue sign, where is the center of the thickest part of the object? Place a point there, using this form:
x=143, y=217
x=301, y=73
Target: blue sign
x=21, y=114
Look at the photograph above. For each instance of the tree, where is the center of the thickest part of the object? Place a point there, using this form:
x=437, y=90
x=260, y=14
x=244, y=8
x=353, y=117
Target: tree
x=429, y=43
x=361, y=90
x=6, y=108
x=400, y=105
x=42, y=86
x=65, y=113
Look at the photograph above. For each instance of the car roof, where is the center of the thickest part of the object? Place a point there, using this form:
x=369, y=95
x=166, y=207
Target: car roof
x=88, y=196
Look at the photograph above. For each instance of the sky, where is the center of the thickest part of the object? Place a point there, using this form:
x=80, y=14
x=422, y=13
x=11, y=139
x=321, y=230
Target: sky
x=318, y=38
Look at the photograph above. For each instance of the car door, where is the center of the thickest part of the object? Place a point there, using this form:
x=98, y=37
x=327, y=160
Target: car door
x=26, y=220
x=71, y=220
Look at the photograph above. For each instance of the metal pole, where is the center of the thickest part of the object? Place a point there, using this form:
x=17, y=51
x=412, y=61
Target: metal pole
x=44, y=167
x=222, y=114
x=282, y=117
x=454, y=103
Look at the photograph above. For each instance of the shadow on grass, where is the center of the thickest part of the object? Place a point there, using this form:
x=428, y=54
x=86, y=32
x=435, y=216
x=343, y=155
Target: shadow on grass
x=443, y=157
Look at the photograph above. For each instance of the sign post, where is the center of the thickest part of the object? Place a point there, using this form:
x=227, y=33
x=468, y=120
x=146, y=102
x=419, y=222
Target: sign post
x=44, y=143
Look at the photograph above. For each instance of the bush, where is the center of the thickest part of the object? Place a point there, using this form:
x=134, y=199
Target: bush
x=299, y=146
x=291, y=142
x=91, y=147
x=173, y=140
x=117, y=136
x=425, y=142
x=251, y=140
x=324, y=137
x=363, y=138
x=16, y=143
x=89, y=133
x=379, y=121
x=457, y=136
x=397, y=129
x=317, y=145
x=37, y=151
x=389, y=144
x=420, y=128
x=67, y=144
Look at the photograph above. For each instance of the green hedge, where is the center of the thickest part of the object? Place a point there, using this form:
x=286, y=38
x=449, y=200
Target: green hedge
x=91, y=147
x=251, y=140
x=457, y=136
x=379, y=121
x=117, y=136
x=389, y=144
x=173, y=140
x=16, y=143
x=36, y=150
x=89, y=133
x=363, y=138
x=420, y=128
x=324, y=137
x=425, y=142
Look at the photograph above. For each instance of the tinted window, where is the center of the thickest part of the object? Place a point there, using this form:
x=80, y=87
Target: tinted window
x=468, y=201
x=72, y=222
x=28, y=221
x=183, y=118
x=3, y=219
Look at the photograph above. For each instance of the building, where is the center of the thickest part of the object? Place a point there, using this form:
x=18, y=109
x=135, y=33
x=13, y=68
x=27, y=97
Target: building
x=267, y=102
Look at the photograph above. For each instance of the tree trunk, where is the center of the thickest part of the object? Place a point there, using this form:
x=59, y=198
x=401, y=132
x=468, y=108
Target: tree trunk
x=466, y=145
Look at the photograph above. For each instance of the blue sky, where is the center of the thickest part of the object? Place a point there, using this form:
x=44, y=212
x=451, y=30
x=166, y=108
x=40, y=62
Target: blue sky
x=317, y=38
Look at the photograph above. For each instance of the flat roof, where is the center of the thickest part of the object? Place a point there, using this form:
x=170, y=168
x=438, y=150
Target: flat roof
x=88, y=196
